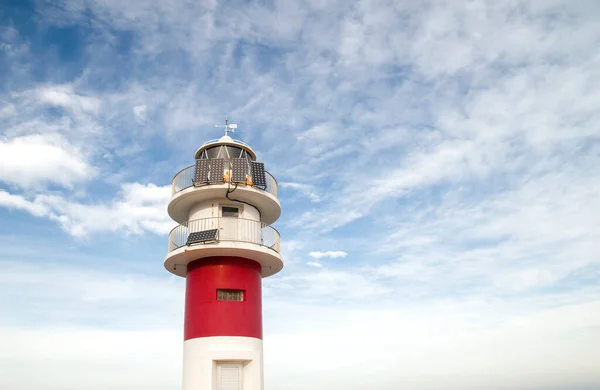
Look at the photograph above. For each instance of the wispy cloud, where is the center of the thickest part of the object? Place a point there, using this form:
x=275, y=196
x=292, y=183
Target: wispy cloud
x=315, y=264
x=64, y=96
x=306, y=189
x=37, y=160
x=327, y=254
x=138, y=209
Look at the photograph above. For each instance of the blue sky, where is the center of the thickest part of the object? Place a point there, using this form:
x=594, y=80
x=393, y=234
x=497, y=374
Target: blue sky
x=438, y=167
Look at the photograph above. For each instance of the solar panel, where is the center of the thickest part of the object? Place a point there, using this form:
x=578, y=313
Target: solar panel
x=201, y=172
x=203, y=236
x=258, y=174
x=216, y=170
x=239, y=168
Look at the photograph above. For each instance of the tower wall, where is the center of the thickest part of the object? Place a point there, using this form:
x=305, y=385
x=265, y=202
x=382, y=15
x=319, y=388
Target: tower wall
x=212, y=208
x=205, y=315
x=204, y=209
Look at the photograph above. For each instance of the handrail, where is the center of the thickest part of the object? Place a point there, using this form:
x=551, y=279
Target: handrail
x=216, y=140
x=229, y=229
x=184, y=179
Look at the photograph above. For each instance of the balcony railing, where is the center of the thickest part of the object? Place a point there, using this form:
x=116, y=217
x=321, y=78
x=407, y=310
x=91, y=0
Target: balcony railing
x=229, y=229
x=183, y=179
x=218, y=140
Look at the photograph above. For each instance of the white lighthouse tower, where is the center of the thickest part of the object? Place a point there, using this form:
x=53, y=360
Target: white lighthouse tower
x=224, y=246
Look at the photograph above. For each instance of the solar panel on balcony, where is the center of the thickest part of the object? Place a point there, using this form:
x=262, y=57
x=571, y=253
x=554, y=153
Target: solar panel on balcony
x=258, y=174
x=201, y=172
x=239, y=168
x=216, y=170
x=202, y=236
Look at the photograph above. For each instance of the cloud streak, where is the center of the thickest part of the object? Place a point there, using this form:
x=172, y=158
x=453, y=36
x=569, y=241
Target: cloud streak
x=139, y=209
x=327, y=254
x=38, y=160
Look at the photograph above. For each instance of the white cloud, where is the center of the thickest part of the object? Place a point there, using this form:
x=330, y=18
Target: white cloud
x=36, y=160
x=466, y=340
x=98, y=358
x=306, y=189
x=315, y=264
x=325, y=285
x=67, y=301
x=10, y=201
x=522, y=123
x=7, y=110
x=318, y=134
x=139, y=208
x=64, y=96
x=329, y=254
x=469, y=350
x=140, y=112
x=396, y=346
x=518, y=241
x=83, y=292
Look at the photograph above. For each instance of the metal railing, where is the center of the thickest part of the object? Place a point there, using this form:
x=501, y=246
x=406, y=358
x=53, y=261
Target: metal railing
x=229, y=229
x=217, y=140
x=183, y=179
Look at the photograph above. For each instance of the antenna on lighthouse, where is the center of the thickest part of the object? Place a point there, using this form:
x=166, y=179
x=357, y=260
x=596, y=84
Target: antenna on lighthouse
x=228, y=127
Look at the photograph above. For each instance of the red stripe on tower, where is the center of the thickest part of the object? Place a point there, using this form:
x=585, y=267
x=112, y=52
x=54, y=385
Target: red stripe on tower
x=206, y=315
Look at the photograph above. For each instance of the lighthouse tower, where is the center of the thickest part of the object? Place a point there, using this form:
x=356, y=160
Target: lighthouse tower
x=224, y=246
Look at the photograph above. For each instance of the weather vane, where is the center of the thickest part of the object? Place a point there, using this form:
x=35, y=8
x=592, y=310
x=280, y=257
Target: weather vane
x=228, y=127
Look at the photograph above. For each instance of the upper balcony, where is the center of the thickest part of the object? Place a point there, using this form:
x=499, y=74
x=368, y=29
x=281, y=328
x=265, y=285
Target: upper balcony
x=186, y=193
x=185, y=179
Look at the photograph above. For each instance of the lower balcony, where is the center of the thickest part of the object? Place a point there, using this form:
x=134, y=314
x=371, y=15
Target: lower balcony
x=235, y=237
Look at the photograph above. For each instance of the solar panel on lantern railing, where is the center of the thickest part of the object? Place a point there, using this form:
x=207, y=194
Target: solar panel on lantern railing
x=258, y=174
x=201, y=172
x=239, y=170
x=202, y=236
x=216, y=170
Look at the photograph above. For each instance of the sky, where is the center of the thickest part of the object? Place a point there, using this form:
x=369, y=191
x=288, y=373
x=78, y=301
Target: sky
x=438, y=166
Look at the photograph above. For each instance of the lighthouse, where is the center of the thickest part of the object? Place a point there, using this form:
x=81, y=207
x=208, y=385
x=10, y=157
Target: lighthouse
x=223, y=246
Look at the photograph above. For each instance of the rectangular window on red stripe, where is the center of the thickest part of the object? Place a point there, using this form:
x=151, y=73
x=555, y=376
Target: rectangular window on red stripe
x=230, y=295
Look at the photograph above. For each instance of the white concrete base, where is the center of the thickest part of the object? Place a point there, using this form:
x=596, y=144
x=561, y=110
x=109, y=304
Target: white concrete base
x=202, y=355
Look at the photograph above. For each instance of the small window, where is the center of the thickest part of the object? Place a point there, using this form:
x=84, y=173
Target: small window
x=230, y=295
x=227, y=211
